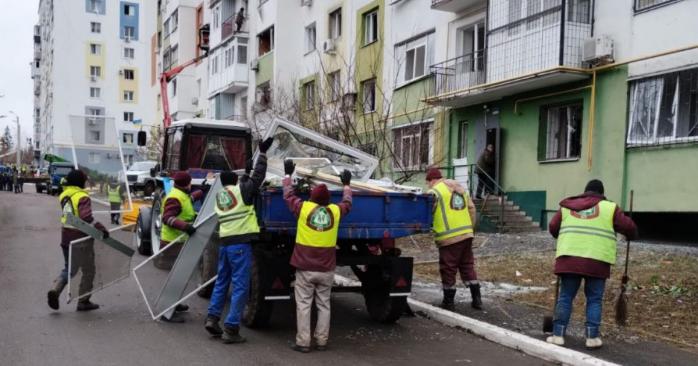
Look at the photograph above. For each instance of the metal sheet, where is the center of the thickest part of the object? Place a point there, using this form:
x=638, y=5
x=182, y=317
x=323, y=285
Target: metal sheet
x=163, y=291
x=95, y=263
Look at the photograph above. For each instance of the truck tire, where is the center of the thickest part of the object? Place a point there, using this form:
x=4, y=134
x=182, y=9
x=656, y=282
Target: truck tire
x=258, y=310
x=383, y=308
x=143, y=243
x=148, y=188
x=39, y=188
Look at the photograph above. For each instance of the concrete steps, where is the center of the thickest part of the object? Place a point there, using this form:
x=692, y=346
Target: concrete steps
x=505, y=215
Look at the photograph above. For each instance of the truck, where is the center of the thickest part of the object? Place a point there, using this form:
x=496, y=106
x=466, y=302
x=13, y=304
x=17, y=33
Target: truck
x=57, y=170
x=366, y=235
x=139, y=177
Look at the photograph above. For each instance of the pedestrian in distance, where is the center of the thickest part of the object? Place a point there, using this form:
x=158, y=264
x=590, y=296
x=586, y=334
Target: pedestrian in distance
x=454, y=219
x=177, y=219
x=486, y=171
x=115, y=196
x=75, y=200
x=585, y=227
x=237, y=227
x=15, y=179
x=314, y=255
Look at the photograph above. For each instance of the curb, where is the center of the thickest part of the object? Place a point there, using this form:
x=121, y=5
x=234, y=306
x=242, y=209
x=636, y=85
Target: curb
x=528, y=345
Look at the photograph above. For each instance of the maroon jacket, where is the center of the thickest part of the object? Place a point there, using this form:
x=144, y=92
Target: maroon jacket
x=173, y=208
x=307, y=258
x=586, y=266
x=85, y=213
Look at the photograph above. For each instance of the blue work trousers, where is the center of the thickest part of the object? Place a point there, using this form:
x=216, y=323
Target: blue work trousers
x=234, y=264
x=593, y=291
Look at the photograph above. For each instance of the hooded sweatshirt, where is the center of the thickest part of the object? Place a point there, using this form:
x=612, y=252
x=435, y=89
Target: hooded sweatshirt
x=586, y=266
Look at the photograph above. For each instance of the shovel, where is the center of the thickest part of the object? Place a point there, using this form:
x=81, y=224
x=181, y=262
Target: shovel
x=548, y=319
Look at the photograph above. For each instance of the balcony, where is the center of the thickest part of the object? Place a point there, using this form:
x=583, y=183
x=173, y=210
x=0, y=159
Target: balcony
x=228, y=28
x=455, y=6
x=534, y=51
x=231, y=67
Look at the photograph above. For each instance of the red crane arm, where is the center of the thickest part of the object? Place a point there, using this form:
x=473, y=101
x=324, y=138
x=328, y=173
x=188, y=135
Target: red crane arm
x=165, y=78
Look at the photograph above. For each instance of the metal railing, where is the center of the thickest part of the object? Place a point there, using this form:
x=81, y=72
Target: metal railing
x=459, y=73
x=228, y=27
x=476, y=176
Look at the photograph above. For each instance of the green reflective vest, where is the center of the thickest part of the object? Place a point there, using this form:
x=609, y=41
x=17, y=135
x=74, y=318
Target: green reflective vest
x=451, y=217
x=588, y=233
x=114, y=194
x=70, y=205
x=187, y=214
x=234, y=216
x=318, y=226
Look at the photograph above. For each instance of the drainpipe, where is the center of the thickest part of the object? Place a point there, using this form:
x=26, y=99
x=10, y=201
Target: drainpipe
x=450, y=160
x=592, y=116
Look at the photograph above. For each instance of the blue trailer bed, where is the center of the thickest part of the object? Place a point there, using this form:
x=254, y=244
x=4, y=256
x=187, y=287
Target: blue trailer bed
x=373, y=215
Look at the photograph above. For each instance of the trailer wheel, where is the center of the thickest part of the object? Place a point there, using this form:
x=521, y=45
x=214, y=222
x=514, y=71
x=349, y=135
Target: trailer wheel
x=383, y=308
x=149, y=188
x=143, y=243
x=39, y=188
x=258, y=310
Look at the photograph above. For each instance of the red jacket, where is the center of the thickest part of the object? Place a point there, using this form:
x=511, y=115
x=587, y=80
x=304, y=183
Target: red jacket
x=84, y=213
x=307, y=258
x=173, y=208
x=585, y=266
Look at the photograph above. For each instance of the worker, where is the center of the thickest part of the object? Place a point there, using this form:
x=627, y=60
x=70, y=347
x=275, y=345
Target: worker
x=486, y=170
x=177, y=219
x=115, y=196
x=22, y=175
x=314, y=255
x=15, y=179
x=76, y=201
x=454, y=219
x=585, y=227
x=237, y=227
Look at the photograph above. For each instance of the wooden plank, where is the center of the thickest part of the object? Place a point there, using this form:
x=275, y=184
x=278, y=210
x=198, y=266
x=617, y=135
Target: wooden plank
x=327, y=178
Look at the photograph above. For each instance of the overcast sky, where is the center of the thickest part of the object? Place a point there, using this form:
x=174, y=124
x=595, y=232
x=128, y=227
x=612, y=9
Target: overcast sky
x=17, y=20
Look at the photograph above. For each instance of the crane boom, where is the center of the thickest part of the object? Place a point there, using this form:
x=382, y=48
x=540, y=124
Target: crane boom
x=165, y=78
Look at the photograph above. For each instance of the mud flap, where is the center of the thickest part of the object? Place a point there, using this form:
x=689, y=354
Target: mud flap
x=401, y=275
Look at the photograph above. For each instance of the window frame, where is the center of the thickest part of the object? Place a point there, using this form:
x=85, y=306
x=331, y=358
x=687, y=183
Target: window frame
x=131, y=73
x=419, y=136
x=97, y=92
x=638, y=10
x=95, y=49
x=125, y=53
x=310, y=32
x=334, y=85
x=124, y=139
x=97, y=68
x=128, y=116
x=309, y=93
x=334, y=29
x=364, y=84
x=373, y=37
x=260, y=36
x=128, y=95
x=126, y=32
x=96, y=27
x=544, y=131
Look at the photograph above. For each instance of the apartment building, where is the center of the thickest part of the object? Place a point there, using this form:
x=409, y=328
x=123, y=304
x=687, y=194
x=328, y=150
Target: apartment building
x=92, y=80
x=535, y=86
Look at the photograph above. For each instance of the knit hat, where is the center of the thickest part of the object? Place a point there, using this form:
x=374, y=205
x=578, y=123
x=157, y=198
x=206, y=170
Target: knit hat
x=76, y=178
x=595, y=186
x=320, y=195
x=181, y=179
x=229, y=178
x=433, y=173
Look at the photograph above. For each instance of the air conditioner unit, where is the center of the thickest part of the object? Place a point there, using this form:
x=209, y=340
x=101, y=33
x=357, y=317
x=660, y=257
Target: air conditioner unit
x=329, y=46
x=597, y=50
x=93, y=78
x=195, y=101
x=306, y=2
x=254, y=65
x=121, y=72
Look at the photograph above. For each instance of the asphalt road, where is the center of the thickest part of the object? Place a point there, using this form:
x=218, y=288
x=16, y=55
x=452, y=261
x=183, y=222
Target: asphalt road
x=122, y=333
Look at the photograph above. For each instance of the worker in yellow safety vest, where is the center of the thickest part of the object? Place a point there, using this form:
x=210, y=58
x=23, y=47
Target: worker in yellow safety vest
x=314, y=255
x=237, y=227
x=585, y=228
x=75, y=201
x=454, y=220
x=115, y=196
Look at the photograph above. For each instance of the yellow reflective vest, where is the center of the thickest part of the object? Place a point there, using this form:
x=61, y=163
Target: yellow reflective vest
x=318, y=226
x=451, y=217
x=114, y=194
x=187, y=214
x=70, y=205
x=234, y=216
x=588, y=233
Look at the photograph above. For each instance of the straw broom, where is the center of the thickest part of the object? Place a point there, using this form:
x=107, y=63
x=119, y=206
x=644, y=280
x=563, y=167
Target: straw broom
x=622, y=302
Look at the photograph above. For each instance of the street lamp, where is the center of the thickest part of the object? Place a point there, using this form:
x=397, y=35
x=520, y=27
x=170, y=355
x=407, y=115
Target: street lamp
x=19, y=137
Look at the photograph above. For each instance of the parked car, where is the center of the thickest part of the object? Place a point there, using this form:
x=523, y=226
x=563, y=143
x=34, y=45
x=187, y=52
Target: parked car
x=138, y=175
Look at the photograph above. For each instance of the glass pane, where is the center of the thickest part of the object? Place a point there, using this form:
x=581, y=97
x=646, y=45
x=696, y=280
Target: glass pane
x=419, y=64
x=409, y=65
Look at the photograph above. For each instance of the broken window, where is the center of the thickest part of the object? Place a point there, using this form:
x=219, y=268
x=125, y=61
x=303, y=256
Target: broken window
x=411, y=147
x=266, y=41
x=368, y=92
x=560, y=125
x=664, y=109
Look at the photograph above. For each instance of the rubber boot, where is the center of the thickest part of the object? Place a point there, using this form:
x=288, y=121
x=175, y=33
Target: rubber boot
x=232, y=335
x=475, y=294
x=212, y=326
x=86, y=305
x=448, y=301
x=53, y=294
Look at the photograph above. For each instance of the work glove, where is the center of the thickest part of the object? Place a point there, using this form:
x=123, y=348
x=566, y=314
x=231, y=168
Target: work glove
x=264, y=145
x=289, y=167
x=345, y=177
x=190, y=229
x=248, y=166
x=100, y=227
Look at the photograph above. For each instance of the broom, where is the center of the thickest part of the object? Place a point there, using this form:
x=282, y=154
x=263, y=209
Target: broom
x=622, y=302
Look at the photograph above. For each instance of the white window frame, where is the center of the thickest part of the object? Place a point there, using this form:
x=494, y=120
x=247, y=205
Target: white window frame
x=95, y=92
x=129, y=10
x=131, y=34
x=368, y=107
x=270, y=29
x=552, y=132
x=95, y=49
x=95, y=157
x=422, y=130
x=129, y=53
x=310, y=38
x=334, y=82
x=309, y=95
x=125, y=140
x=370, y=25
x=95, y=71
x=95, y=27
x=241, y=54
x=129, y=74
x=216, y=17
x=128, y=116
x=335, y=24
x=129, y=95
